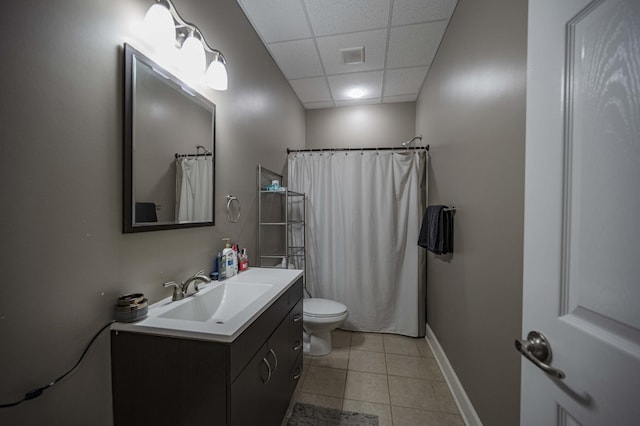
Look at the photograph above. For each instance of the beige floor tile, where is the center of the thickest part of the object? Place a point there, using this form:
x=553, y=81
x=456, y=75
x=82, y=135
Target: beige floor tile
x=321, y=400
x=402, y=345
x=383, y=411
x=416, y=367
x=367, y=342
x=340, y=338
x=424, y=349
x=403, y=416
x=406, y=366
x=446, y=402
x=369, y=362
x=412, y=393
x=434, y=373
x=338, y=358
x=325, y=381
x=367, y=387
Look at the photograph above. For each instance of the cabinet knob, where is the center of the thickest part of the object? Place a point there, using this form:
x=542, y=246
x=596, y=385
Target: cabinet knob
x=298, y=345
x=297, y=317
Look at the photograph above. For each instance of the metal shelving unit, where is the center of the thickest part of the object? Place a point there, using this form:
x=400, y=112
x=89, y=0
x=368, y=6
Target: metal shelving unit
x=281, y=224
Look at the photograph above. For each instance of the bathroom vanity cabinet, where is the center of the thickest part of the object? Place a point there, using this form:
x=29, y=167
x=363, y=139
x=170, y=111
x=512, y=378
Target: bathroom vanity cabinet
x=166, y=380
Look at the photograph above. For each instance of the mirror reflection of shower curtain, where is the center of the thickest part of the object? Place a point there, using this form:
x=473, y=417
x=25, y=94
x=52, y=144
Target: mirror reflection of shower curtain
x=194, y=192
x=364, y=212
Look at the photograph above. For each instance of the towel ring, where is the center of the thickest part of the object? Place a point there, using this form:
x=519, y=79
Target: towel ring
x=230, y=199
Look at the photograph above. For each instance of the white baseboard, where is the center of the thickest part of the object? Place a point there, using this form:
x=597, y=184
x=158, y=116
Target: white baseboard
x=467, y=411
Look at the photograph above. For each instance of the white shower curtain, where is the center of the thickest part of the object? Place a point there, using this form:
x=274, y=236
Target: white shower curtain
x=194, y=177
x=364, y=212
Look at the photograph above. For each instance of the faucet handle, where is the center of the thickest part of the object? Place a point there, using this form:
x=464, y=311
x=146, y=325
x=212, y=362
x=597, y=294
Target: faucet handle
x=177, y=289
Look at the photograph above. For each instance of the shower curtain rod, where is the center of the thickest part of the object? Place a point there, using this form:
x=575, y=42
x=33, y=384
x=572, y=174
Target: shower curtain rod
x=398, y=148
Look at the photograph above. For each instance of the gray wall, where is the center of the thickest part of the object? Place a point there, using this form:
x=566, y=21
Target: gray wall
x=472, y=112
x=64, y=258
x=363, y=126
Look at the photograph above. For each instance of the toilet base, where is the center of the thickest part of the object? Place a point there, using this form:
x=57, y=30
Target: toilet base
x=317, y=344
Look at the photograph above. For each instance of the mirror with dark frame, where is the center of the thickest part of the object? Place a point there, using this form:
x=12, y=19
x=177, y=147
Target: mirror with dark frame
x=169, y=150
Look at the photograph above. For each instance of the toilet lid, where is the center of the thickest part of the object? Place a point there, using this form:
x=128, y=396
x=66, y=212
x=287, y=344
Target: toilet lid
x=320, y=308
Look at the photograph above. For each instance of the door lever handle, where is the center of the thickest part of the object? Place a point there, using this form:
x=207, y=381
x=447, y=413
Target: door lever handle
x=537, y=350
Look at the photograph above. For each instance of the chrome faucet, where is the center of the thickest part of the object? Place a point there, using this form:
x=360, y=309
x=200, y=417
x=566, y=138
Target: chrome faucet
x=180, y=291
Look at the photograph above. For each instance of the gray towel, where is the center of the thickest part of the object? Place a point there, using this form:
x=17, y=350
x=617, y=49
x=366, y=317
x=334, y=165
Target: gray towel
x=436, y=234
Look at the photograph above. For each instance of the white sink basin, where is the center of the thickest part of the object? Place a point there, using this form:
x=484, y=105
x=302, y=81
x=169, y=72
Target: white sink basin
x=220, y=311
x=219, y=304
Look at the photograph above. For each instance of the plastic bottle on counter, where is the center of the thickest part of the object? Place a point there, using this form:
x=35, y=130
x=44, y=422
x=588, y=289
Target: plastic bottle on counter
x=222, y=267
x=236, y=259
x=227, y=254
x=244, y=260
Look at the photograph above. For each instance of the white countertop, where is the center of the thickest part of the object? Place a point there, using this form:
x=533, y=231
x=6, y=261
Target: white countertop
x=156, y=322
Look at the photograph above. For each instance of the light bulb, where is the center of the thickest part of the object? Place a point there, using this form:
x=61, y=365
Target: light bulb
x=158, y=28
x=356, y=93
x=217, y=75
x=192, y=58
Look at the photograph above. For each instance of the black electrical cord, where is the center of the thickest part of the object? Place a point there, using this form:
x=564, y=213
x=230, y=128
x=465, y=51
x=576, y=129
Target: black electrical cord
x=34, y=393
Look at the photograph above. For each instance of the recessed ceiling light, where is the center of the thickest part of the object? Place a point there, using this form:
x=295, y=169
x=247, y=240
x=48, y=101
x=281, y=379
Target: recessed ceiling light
x=356, y=93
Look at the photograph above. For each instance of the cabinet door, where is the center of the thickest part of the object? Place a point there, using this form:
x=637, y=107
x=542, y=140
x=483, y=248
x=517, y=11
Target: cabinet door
x=260, y=395
x=248, y=392
x=279, y=346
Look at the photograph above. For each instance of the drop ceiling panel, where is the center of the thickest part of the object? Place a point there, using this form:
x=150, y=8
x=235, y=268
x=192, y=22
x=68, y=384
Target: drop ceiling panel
x=318, y=105
x=297, y=59
x=311, y=89
x=414, y=45
x=400, y=37
x=414, y=11
x=352, y=102
x=404, y=81
x=371, y=82
x=345, y=16
x=401, y=98
x=374, y=42
x=277, y=20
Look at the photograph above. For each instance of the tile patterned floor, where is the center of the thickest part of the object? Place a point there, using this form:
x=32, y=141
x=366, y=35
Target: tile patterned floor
x=394, y=377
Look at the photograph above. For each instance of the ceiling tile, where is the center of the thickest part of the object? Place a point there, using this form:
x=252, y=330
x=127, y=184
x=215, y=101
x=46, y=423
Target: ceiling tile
x=353, y=102
x=318, y=105
x=414, y=11
x=401, y=98
x=371, y=82
x=414, y=45
x=374, y=42
x=406, y=81
x=297, y=59
x=345, y=16
x=311, y=89
x=277, y=20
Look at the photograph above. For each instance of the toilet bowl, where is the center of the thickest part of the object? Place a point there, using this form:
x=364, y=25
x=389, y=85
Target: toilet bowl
x=320, y=318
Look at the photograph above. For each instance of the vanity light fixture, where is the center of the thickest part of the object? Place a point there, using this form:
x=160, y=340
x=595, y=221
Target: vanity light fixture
x=165, y=29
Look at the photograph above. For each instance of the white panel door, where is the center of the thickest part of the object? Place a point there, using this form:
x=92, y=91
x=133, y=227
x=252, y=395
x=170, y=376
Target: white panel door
x=582, y=212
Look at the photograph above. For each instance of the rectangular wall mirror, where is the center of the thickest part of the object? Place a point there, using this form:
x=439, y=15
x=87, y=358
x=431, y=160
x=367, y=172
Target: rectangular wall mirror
x=169, y=150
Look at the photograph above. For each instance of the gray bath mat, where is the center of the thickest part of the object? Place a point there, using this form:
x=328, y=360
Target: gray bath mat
x=313, y=415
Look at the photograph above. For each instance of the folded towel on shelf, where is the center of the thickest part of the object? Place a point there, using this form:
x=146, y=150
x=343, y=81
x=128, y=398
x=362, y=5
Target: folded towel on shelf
x=436, y=233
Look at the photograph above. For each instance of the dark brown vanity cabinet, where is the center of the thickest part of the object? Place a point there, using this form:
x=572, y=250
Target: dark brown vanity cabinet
x=160, y=380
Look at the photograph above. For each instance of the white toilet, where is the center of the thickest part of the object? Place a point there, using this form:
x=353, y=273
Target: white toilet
x=320, y=318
